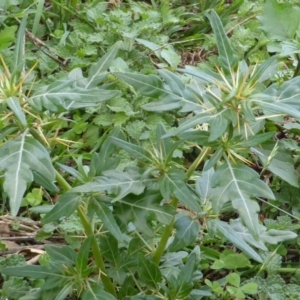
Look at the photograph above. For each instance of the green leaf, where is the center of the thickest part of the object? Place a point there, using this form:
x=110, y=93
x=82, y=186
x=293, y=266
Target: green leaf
x=148, y=271
x=65, y=291
x=136, y=151
x=187, y=231
x=203, y=185
x=102, y=65
x=238, y=184
x=282, y=164
x=271, y=236
x=249, y=288
x=7, y=36
x=83, y=255
x=141, y=209
x=273, y=105
x=36, y=272
x=61, y=254
x=65, y=207
x=228, y=60
x=147, y=85
x=288, y=94
x=182, y=286
x=18, y=159
x=96, y=292
x=115, y=182
x=235, y=239
x=106, y=216
x=233, y=279
x=61, y=95
x=173, y=183
x=18, y=59
x=280, y=21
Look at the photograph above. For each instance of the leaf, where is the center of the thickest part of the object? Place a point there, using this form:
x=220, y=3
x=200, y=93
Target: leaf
x=282, y=164
x=238, y=184
x=182, y=285
x=280, y=21
x=148, y=271
x=110, y=249
x=187, y=231
x=228, y=60
x=203, y=185
x=18, y=159
x=106, y=216
x=14, y=104
x=269, y=104
x=7, y=36
x=35, y=272
x=65, y=291
x=65, y=207
x=288, y=94
x=235, y=239
x=96, y=292
x=233, y=279
x=170, y=56
x=141, y=209
x=271, y=236
x=147, y=85
x=102, y=65
x=18, y=59
x=136, y=151
x=61, y=254
x=115, y=182
x=61, y=95
x=173, y=183
x=83, y=255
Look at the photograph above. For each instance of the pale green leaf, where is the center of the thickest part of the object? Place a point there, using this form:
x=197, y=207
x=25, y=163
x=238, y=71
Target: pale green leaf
x=239, y=184
x=18, y=159
x=67, y=204
x=106, y=216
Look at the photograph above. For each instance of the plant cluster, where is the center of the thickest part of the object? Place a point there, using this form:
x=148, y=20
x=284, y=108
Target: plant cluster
x=165, y=182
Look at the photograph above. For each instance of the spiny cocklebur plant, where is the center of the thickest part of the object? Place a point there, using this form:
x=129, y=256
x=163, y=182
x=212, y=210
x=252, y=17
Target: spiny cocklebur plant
x=230, y=107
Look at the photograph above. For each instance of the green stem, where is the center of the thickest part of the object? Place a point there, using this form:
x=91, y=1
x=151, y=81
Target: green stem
x=165, y=237
x=108, y=285
x=169, y=228
x=196, y=163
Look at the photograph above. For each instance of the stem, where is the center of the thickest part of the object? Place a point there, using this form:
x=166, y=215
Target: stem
x=165, y=237
x=108, y=285
x=297, y=71
x=169, y=228
x=196, y=163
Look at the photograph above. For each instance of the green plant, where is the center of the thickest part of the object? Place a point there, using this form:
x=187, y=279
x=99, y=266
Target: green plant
x=142, y=222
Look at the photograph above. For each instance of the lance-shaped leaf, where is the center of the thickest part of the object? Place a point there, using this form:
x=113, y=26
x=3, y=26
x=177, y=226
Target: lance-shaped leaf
x=18, y=158
x=173, y=94
x=288, y=93
x=106, y=216
x=14, y=104
x=141, y=209
x=61, y=95
x=228, y=232
x=148, y=271
x=96, y=292
x=271, y=105
x=102, y=65
x=115, y=182
x=271, y=236
x=187, y=231
x=136, y=151
x=239, y=184
x=65, y=207
x=279, y=163
x=228, y=60
x=173, y=183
